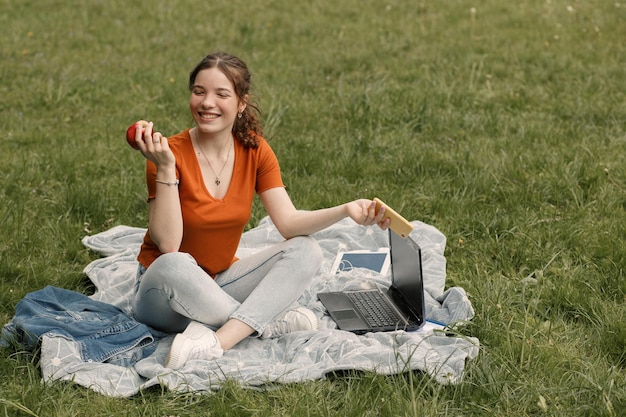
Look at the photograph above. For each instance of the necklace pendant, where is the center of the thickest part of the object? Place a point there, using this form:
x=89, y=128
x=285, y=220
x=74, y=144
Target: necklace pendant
x=217, y=181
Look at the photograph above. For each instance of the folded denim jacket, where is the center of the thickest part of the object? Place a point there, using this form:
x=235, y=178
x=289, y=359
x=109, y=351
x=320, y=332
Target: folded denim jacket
x=103, y=332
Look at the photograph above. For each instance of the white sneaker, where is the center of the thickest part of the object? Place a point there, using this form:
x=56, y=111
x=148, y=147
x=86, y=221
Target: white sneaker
x=196, y=342
x=292, y=321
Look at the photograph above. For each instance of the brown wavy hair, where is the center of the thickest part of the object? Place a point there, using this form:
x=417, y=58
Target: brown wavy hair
x=247, y=129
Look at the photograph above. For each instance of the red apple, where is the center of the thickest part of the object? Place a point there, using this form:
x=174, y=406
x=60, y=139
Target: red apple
x=130, y=133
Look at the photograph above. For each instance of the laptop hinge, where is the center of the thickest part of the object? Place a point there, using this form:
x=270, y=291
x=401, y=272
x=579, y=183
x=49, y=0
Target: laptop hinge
x=399, y=299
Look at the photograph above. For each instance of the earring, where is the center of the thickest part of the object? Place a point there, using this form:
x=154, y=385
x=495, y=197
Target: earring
x=240, y=115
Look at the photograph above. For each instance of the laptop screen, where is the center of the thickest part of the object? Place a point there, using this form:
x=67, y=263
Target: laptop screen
x=406, y=267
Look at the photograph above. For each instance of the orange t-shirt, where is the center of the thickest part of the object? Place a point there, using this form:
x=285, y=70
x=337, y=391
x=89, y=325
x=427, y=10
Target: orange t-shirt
x=212, y=228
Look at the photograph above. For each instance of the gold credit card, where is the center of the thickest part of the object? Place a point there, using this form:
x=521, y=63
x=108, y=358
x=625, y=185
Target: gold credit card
x=398, y=224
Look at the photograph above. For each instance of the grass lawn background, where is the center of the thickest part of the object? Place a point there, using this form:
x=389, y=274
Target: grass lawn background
x=500, y=123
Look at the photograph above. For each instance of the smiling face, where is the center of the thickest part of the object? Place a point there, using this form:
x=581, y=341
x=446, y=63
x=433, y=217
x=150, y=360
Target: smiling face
x=214, y=103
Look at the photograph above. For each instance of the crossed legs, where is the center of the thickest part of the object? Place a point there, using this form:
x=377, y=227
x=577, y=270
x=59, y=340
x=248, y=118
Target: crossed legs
x=239, y=302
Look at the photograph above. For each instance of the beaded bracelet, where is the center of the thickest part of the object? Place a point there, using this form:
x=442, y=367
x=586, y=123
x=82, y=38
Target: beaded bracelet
x=175, y=183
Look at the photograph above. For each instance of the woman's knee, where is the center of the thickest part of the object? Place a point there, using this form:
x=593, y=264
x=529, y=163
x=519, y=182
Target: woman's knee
x=173, y=260
x=169, y=265
x=308, y=250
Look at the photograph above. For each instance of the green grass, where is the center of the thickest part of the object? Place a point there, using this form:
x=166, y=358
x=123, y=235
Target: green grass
x=503, y=124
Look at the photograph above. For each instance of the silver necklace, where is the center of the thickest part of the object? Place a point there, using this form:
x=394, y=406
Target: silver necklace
x=217, y=175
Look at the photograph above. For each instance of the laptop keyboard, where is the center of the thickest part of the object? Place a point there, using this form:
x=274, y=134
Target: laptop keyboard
x=375, y=309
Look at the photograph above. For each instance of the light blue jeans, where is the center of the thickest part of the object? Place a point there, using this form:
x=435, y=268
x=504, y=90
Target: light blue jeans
x=255, y=289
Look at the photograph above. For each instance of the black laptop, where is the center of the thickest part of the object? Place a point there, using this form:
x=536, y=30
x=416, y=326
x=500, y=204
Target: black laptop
x=401, y=307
